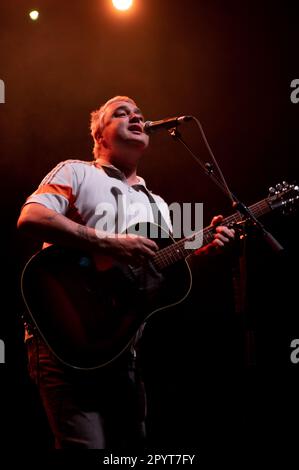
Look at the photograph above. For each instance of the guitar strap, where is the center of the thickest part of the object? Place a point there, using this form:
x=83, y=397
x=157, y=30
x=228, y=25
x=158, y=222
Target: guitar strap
x=160, y=221
x=157, y=214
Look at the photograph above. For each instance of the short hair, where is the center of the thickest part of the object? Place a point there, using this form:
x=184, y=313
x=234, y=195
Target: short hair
x=97, y=120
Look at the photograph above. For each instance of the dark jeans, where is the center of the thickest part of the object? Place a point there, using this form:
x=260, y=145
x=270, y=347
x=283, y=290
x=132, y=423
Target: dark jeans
x=90, y=409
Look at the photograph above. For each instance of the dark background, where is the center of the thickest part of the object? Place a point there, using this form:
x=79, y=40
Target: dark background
x=230, y=64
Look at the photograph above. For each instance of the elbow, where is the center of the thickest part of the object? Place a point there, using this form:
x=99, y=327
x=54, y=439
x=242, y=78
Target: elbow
x=33, y=221
x=28, y=221
x=28, y=232
x=24, y=224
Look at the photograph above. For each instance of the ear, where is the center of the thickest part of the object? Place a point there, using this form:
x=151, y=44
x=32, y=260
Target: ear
x=98, y=136
x=100, y=139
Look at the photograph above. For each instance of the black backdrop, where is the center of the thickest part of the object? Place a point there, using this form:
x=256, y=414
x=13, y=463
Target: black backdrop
x=231, y=65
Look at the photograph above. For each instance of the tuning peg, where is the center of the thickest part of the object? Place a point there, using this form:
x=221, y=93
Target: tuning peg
x=271, y=190
x=278, y=187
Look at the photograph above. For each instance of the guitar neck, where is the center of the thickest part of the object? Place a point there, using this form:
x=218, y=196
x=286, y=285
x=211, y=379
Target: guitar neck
x=178, y=251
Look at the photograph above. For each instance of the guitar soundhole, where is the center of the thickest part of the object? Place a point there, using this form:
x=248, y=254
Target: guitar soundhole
x=84, y=262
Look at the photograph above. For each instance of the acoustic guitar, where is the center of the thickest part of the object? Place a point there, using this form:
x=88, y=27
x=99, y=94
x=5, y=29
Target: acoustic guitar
x=88, y=309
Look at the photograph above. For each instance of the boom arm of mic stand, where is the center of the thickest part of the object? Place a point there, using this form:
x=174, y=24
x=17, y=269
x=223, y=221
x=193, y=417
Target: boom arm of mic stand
x=237, y=204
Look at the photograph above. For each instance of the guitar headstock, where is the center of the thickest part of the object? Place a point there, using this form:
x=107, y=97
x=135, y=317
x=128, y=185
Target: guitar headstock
x=284, y=196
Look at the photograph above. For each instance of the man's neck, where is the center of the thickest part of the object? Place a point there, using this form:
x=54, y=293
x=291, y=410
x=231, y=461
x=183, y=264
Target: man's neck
x=130, y=171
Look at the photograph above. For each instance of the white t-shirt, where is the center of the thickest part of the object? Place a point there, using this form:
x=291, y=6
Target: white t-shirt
x=97, y=194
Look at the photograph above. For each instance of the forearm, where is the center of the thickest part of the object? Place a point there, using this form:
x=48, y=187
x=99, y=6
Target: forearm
x=46, y=225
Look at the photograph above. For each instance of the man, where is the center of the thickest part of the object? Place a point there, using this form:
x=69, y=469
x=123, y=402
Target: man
x=104, y=408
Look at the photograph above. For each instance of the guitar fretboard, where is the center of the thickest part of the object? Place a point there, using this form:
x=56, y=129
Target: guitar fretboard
x=178, y=251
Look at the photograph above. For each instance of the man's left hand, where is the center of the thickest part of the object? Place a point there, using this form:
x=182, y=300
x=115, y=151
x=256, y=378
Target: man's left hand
x=223, y=237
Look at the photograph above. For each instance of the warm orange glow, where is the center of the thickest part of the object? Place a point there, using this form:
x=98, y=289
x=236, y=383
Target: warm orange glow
x=122, y=4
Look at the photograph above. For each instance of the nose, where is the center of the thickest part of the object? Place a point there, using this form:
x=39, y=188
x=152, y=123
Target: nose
x=135, y=117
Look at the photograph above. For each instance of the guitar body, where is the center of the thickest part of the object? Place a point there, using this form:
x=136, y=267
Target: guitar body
x=88, y=309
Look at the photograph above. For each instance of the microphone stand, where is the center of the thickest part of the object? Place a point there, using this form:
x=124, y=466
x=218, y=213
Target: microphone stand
x=239, y=270
x=236, y=203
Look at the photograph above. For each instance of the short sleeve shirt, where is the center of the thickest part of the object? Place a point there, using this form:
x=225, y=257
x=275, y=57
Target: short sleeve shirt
x=96, y=194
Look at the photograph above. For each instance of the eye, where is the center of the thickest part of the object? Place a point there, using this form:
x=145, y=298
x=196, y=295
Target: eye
x=120, y=114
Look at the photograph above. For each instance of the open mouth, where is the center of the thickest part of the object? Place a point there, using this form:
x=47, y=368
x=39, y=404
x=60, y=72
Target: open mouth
x=136, y=128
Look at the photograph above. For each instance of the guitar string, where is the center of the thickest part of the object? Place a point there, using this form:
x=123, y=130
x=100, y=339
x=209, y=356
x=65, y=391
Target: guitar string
x=177, y=251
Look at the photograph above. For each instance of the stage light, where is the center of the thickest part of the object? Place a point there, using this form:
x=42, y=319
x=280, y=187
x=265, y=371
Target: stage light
x=34, y=14
x=122, y=4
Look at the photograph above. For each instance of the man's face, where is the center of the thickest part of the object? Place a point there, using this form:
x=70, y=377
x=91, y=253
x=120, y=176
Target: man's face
x=123, y=127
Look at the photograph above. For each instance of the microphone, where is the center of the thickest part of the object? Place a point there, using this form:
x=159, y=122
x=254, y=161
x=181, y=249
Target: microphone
x=151, y=126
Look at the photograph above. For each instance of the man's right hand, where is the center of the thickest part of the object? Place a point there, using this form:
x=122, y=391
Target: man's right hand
x=128, y=247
